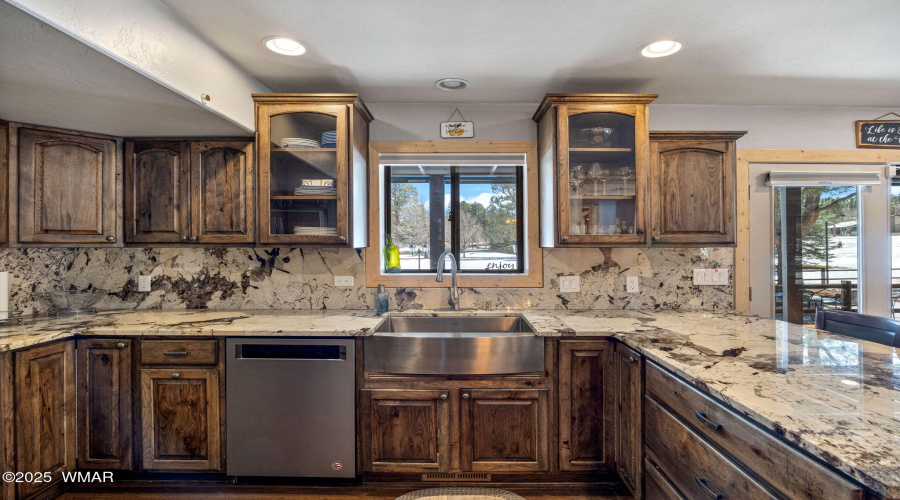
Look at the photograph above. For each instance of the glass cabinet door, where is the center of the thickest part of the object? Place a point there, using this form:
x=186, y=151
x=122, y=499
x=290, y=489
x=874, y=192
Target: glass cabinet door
x=306, y=178
x=600, y=184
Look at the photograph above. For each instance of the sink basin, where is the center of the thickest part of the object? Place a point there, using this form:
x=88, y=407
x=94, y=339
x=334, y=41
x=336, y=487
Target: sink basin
x=454, y=345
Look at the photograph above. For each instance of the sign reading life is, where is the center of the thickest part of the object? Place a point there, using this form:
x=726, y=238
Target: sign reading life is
x=878, y=134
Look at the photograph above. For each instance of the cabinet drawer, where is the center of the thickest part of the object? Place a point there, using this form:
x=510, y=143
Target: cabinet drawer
x=786, y=469
x=656, y=485
x=179, y=352
x=693, y=466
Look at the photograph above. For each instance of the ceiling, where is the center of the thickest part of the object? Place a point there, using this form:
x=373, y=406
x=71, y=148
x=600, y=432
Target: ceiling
x=49, y=78
x=775, y=52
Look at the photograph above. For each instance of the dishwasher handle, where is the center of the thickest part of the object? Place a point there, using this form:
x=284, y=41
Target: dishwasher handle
x=298, y=352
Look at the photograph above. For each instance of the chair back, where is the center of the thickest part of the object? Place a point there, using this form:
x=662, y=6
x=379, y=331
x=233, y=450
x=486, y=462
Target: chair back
x=860, y=326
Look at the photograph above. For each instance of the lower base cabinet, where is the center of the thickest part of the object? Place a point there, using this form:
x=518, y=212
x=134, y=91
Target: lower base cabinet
x=45, y=414
x=504, y=430
x=629, y=417
x=104, y=404
x=180, y=419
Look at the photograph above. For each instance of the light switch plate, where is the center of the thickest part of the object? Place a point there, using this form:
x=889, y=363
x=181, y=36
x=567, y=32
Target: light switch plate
x=144, y=283
x=343, y=281
x=632, y=284
x=569, y=284
x=711, y=277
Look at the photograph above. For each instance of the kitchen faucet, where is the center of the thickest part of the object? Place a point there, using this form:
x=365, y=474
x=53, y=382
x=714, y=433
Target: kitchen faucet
x=439, y=277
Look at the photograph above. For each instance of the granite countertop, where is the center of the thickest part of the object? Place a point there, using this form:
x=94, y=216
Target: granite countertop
x=833, y=396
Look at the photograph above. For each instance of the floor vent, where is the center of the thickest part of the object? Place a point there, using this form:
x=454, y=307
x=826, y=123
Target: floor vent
x=456, y=476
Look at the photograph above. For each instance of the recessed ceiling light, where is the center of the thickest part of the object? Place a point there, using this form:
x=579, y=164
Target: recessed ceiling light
x=661, y=48
x=284, y=45
x=452, y=84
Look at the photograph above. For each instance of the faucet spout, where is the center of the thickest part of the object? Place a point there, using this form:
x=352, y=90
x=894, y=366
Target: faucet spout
x=439, y=277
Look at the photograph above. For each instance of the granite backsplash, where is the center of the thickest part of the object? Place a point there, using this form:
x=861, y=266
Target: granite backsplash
x=303, y=278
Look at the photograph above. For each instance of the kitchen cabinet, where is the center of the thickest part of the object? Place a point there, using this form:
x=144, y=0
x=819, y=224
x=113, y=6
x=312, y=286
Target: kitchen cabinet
x=586, y=406
x=45, y=413
x=157, y=192
x=629, y=413
x=504, y=430
x=692, y=188
x=593, y=161
x=180, y=427
x=104, y=404
x=313, y=153
x=198, y=191
x=405, y=430
x=67, y=188
x=4, y=176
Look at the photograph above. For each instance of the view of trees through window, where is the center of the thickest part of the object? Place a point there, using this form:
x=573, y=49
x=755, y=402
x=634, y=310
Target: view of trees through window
x=472, y=211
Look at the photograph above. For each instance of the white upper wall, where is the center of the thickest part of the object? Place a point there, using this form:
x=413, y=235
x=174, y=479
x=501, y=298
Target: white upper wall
x=768, y=127
x=152, y=40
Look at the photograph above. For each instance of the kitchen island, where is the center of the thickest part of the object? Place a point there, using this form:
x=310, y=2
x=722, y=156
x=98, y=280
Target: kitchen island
x=832, y=396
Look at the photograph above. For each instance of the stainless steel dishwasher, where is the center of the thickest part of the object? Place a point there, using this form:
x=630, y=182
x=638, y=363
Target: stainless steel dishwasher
x=291, y=407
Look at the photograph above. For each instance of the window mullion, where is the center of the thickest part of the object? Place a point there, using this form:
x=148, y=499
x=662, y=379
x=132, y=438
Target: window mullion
x=454, y=215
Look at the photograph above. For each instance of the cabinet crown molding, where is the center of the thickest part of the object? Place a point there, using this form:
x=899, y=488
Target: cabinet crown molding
x=315, y=98
x=553, y=99
x=688, y=135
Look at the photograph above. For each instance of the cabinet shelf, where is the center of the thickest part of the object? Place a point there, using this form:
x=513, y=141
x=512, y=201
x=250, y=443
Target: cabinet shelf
x=600, y=150
x=303, y=150
x=600, y=198
x=305, y=197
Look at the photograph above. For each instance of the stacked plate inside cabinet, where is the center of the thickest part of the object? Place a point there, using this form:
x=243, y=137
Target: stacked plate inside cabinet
x=299, y=143
x=329, y=139
x=315, y=231
x=316, y=187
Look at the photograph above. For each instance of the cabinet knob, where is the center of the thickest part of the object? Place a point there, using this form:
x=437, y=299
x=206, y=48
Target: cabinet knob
x=184, y=238
x=176, y=375
x=193, y=238
x=443, y=397
x=342, y=239
x=121, y=345
x=632, y=360
x=465, y=396
x=656, y=238
x=110, y=238
x=564, y=239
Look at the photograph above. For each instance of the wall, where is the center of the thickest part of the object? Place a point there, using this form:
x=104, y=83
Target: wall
x=284, y=278
x=769, y=127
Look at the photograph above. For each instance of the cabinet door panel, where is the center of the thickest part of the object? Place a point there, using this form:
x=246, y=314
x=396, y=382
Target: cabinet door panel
x=157, y=195
x=104, y=404
x=629, y=437
x=45, y=412
x=222, y=208
x=180, y=419
x=585, y=405
x=504, y=430
x=405, y=430
x=693, y=201
x=67, y=188
x=4, y=176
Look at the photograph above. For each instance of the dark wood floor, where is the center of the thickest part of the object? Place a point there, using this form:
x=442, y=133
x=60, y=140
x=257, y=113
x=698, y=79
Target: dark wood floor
x=254, y=492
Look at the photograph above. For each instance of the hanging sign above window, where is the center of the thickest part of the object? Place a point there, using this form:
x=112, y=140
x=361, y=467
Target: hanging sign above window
x=460, y=129
x=878, y=133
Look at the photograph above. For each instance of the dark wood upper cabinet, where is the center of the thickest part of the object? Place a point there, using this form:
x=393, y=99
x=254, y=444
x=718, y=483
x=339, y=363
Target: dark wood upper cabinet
x=45, y=413
x=222, y=203
x=180, y=411
x=313, y=154
x=586, y=391
x=67, y=188
x=629, y=431
x=504, y=430
x=104, y=404
x=405, y=430
x=593, y=159
x=157, y=191
x=693, y=188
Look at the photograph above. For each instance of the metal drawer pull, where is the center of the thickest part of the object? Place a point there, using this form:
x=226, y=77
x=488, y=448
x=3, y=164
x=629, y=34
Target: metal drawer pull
x=709, y=423
x=176, y=375
x=465, y=396
x=632, y=360
x=443, y=397
x=121, y=345
x=175, y=353
x=711, y=493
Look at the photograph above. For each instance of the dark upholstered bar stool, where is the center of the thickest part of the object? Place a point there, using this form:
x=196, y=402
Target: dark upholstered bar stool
x=860, y=326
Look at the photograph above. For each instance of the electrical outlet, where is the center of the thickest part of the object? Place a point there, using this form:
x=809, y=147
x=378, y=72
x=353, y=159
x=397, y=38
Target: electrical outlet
x=632, y=284
x=711, y=277
x=343, y=281
x=144, y=283
x=569, y=284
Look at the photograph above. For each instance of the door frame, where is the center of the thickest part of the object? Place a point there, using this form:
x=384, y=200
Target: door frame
x=747, y=156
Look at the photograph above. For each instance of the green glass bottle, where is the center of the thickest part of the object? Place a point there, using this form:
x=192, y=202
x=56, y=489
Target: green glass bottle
x=391, y=255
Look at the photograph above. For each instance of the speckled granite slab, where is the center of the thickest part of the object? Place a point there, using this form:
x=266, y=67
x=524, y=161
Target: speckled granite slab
x=833, y=396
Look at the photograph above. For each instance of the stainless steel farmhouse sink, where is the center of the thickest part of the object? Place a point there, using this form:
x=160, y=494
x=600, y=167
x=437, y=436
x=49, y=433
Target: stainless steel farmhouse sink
x=454, y=345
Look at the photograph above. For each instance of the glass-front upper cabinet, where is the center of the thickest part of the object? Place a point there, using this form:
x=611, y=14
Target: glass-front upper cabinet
x=313, y=150
x=594, y=156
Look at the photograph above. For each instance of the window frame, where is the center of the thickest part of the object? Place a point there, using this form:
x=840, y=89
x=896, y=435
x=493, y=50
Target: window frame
x=533, y=275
